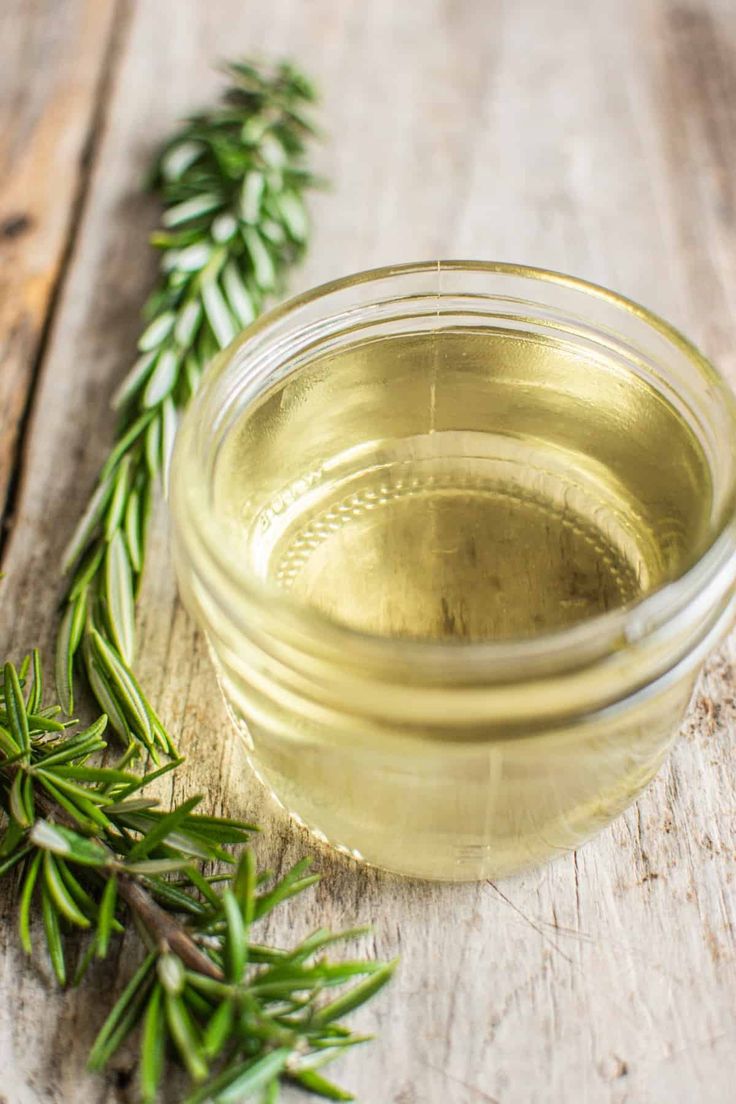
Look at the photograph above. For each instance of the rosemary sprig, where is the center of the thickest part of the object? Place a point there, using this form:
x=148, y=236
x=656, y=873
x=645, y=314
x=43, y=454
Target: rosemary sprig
x=238, y=1016
x=231, y=182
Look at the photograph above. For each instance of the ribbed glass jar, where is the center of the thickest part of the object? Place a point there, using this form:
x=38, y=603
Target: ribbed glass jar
x=460, y=536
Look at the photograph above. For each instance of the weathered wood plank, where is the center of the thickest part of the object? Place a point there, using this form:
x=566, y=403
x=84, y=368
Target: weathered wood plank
x=596, y=138
x=51, y=91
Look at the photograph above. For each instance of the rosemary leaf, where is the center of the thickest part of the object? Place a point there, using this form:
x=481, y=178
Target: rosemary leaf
x=157, y=866
x=168, y=433
x=24, y=904
x=62, y=898
x=235, y=939
x=16, y=800
x=102, y=690
x=171, y=974
x=238, y=297
x=106, y=916
x=158, y=330
x=35, y=694
x=84, y=532
x=234, y=1085
x=126, y=689
x=218, y=1029
x=162, y=379
x=356, y=996
x=135, y=379
x=15, y=708
x=133, y=534
x=83, y=743
x=119, y=595
x=153, y=1043
x=187, y=323
x=64, y=841
x=123, y=1017
x=162, y=829
x=314, y=1083
x=53, y=935
x=185, y=1037
x=76, y=889
x=118, y=500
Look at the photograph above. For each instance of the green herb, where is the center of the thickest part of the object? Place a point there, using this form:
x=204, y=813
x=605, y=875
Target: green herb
x=238, y=1016
x=231, y=182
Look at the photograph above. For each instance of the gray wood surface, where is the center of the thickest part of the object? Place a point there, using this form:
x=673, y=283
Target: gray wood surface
x=593, y=136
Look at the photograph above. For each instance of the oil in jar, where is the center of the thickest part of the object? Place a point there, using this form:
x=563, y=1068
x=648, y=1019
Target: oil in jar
x=464, y=484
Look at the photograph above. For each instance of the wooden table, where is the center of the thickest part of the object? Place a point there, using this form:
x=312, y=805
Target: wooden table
x=592, y=136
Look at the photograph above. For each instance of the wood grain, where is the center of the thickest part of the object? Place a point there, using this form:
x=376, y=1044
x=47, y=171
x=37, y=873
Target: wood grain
x=52, y=94
x=594, y=138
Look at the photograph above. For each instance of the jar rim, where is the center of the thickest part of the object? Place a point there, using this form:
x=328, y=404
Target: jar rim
x=289, y=617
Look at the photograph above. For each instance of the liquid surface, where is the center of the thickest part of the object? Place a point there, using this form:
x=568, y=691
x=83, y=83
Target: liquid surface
x=463, y=485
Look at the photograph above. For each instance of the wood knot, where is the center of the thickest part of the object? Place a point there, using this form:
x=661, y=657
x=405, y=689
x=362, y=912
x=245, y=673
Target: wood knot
x=13, y=226
x=612, y=1068
x=122, y=1078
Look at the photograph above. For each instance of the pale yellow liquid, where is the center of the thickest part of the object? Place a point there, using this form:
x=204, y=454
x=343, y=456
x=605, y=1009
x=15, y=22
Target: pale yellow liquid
x=465, y=487
x=462, y=485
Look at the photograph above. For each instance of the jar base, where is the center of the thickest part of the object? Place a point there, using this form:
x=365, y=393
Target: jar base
x=442, y=860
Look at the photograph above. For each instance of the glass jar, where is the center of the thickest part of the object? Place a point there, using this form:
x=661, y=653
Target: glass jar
x=460, y=536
